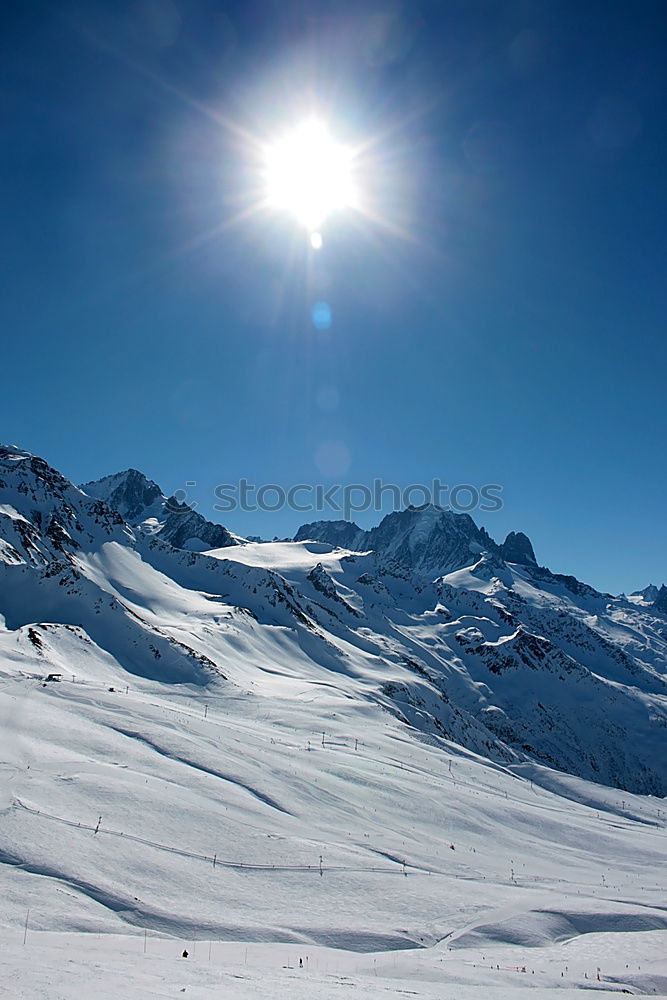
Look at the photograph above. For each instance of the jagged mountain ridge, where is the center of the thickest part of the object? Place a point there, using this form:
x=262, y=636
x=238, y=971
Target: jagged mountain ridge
x=648, y=593
x=142, y=504
x=504, y=658
x=429, y=540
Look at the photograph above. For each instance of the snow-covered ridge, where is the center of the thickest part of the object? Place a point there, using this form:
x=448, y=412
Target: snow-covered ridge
x=503, y=657
x=429, y=540
x=142, y=504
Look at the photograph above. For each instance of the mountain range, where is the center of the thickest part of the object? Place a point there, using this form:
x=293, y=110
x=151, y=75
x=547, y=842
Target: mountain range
x=426, y=616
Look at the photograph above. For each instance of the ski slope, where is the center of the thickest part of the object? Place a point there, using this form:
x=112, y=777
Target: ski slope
x=308, y=825
x=274, y=753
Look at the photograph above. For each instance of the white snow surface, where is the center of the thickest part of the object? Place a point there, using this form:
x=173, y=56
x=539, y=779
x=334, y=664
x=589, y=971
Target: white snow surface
x=241, y=760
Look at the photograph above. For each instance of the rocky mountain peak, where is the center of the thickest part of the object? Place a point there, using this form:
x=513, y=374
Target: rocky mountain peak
x=344, y=534
x=45, y=517
x=141, y=502
x=660, y=601
x=130, y=493
x=517, y=548
x=649, y=593
x=428, y=539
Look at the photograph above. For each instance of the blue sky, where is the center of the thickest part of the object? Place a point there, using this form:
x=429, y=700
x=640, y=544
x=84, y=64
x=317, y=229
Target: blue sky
x=502, y=320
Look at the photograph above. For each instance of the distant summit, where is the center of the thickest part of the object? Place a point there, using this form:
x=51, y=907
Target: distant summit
x=142, y=504
x=129, y=492
x=428, y=540
x=517, y=548
x=649, y=593
x=660, y=601
x=344, y=534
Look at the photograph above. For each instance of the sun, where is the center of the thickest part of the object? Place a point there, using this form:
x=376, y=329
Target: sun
x=310, y=175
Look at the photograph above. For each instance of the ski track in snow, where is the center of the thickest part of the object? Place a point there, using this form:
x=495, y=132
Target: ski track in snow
x=569, y=906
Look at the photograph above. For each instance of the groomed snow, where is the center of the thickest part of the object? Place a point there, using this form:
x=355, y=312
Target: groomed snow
x=502, y=869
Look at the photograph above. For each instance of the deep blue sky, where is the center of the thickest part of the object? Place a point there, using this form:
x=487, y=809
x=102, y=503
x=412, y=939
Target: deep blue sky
x=503, y=321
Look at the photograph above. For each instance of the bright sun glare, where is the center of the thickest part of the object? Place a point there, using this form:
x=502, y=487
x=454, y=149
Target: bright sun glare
x=310, y=175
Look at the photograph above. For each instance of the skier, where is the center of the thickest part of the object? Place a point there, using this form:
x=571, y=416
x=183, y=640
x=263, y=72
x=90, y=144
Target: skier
x=185, y=953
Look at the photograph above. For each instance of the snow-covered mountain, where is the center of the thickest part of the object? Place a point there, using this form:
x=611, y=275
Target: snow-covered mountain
x=654, y=597
x=648, y=593
x=469, y=639
x=346, y=708
x=143, y=505
x=428, y=540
